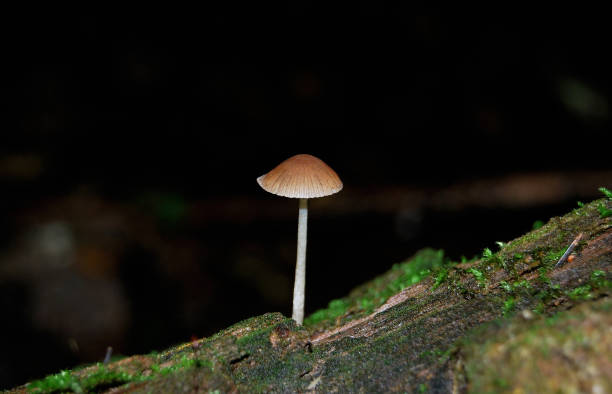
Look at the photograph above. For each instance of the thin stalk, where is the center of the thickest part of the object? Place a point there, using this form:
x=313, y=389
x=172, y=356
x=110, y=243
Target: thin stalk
x=299, y=287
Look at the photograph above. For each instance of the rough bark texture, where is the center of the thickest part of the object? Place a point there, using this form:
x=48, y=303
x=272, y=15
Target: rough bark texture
x=508, y=321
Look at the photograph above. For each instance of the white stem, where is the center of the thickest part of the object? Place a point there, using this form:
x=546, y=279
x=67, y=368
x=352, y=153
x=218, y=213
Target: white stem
x=299, y=286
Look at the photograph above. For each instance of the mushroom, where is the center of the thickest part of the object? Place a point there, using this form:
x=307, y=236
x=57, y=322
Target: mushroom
x=301, y=176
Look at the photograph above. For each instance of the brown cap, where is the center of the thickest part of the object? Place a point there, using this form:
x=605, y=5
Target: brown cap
x=301, y=176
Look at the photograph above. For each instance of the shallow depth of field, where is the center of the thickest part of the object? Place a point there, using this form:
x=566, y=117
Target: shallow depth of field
x=130, y=216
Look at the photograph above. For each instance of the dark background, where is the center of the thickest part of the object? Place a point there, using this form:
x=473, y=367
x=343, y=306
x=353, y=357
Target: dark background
x=131, y=141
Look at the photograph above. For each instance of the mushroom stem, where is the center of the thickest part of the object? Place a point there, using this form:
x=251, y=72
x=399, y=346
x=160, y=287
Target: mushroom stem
x=299, y=286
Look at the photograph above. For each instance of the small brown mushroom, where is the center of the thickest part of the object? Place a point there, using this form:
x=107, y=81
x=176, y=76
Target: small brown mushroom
x=301, y=176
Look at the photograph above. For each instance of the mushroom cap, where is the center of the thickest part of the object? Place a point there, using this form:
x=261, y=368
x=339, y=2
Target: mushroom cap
x=301, y=176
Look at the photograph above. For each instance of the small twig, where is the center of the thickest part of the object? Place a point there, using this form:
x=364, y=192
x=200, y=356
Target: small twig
x=569, y=250
x=109, y=353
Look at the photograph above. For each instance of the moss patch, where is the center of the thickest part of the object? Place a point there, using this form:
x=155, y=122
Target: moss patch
x=366, y=298
x=565, y=353
x=99, y=379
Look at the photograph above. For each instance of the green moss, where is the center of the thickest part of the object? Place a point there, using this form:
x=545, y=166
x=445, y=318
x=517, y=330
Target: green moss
x=488, y=257
x=67, y=381
x=183, y=363
x=545, y=290
x=543, y=276
x=539, y=308
x=553, y=256
x=368, y=297
x=487, y=253
x=334, y=309
x=253, y=324
x=479, y=276
x=604, y=212
x=557, y=234
x=103, y=377
x=508, y=306
x=580, y=293
x=367, y=305
x=416, y=269
x=506, y=286
x=62, y=381
x=531, y=356
x=523, y=284
x=440, y=277
x=606, y=192
x=537, y=224
x=598, y=280
x=516, y=287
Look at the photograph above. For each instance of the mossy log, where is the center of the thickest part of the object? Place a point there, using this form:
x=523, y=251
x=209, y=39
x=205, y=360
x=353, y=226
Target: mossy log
x=507, y=322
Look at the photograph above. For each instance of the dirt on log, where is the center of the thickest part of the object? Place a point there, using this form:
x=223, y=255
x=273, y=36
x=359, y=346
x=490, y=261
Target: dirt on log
x=510, y=321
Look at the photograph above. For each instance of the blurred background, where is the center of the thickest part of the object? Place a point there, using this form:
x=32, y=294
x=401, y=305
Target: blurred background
x=131, y=141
